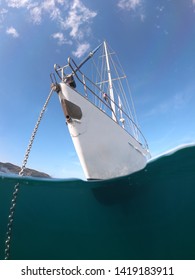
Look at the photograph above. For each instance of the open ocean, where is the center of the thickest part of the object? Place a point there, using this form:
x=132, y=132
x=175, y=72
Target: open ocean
x=147, y=215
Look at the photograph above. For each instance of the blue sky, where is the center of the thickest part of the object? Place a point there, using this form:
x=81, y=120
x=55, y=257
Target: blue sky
x=155, y=41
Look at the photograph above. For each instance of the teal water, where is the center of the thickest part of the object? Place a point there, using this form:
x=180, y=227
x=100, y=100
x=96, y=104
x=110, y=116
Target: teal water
x=147, y=215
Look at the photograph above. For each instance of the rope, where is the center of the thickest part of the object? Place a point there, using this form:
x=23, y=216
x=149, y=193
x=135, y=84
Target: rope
x=16, y=187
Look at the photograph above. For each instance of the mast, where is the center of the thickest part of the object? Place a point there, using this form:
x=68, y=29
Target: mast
x=110, y=84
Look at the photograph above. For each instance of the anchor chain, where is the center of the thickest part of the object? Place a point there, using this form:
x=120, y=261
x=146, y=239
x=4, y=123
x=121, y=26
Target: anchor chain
x=21, y=173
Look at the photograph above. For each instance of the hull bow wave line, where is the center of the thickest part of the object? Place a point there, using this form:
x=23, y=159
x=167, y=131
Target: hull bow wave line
x=100, y=115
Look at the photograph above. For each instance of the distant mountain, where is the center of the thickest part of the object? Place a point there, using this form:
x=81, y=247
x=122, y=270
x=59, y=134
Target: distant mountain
x=10, y=168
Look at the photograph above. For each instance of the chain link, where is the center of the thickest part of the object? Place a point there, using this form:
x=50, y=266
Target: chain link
x=16, y=187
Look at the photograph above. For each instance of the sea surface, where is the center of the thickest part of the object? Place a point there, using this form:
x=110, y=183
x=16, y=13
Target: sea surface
x=147, y=215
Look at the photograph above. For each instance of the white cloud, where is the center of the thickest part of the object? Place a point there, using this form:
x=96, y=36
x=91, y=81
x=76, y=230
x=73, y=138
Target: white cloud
x=142, y=17
x=38, y=8
x=18, y=3
x=193, y=2
x=50, y=7
x=78, y=15
x=62, y=2
x=12, y=31
x=3, y=13
x=72, y=18
x=36, y=15
x=59, y=36
x=134, y=6
x=81, y=50
x=129, y=4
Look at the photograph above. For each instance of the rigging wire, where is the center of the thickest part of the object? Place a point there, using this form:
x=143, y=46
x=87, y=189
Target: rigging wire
x=130, y=111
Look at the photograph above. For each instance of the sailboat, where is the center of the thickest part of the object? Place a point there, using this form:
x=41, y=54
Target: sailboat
x=100, y=115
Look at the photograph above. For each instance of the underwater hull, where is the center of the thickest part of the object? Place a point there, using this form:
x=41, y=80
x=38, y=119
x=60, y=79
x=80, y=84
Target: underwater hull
x=105, y=149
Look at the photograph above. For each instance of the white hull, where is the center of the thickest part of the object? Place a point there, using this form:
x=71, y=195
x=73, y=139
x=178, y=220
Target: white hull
x=105, y=149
